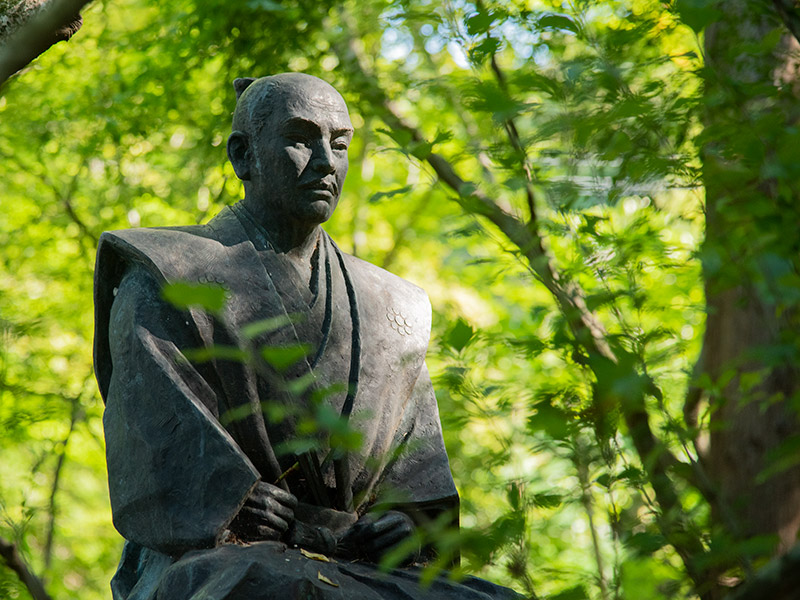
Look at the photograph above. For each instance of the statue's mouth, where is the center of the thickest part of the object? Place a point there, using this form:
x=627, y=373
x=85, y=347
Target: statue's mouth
x=320, y=185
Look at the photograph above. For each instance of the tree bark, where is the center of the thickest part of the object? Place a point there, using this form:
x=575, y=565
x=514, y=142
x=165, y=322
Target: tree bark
x=55, y=21
x=751, y=244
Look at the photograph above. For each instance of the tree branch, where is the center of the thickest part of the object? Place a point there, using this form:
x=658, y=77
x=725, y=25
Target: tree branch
x=587, y=330
x=82, y=227
x=12, y=558
x=65, y=197
x=789, y=11
x=57, y=21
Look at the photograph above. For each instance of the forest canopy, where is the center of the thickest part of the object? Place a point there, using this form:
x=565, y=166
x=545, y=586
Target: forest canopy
x=599, y=196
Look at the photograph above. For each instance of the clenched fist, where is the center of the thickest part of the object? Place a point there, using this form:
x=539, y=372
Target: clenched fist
x=266, y=514
x=371, y=537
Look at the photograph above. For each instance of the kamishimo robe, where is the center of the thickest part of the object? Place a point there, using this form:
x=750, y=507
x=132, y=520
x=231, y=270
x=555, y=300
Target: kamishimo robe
x=187, y=438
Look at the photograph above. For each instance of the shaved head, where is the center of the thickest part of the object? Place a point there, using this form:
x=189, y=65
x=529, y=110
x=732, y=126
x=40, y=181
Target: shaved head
x=289, y=146
x=257, y=98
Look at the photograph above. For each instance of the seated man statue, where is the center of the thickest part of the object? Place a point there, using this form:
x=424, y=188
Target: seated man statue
x=218, y=483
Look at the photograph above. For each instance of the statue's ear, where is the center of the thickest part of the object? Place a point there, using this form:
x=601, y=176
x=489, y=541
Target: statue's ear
x=239, y=154
x=240, y=84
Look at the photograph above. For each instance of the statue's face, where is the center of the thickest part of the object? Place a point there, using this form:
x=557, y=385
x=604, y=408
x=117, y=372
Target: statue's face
x=301, y=154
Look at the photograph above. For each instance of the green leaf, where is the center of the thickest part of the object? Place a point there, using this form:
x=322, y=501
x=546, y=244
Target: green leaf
x=200, y=355
x=529, y=345
x=210, y=297
x=479, y=23
x=634, y=476
x=514, y=495
x=605, y=479
x=390, y=194
x=236, y=414
x=459, y=335
x=401, y=136
x=283, y=357
x=574, y=593
x=484, y=50
x=257, y=328
x=489, y=97
x=697, y=14
x=550, y=419
x=539, y=82
x=301, y=384
x=420, y=150
x=547, y=500
x=556, y=21
x=645, y=543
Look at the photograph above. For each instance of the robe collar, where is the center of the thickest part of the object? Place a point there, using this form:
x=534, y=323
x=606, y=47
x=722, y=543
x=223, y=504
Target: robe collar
x=265, y=301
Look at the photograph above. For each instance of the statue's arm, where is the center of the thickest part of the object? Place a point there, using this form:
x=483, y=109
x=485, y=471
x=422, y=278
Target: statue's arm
x=176, y=477
x=418, y=479
x=416, y=489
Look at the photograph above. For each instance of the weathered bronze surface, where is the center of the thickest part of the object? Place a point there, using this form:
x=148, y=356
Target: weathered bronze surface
x=216, y=480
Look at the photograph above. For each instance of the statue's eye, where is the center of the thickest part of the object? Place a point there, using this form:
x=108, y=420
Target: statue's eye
x=297, y=138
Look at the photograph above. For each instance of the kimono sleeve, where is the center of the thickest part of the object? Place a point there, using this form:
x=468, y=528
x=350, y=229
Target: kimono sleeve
x=176, y=477
x=418, y=480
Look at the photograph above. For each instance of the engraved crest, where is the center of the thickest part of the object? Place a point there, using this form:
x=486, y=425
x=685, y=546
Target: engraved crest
x=398, y=322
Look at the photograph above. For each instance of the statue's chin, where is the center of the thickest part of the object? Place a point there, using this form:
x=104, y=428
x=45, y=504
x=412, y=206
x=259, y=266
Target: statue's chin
x=319, y=208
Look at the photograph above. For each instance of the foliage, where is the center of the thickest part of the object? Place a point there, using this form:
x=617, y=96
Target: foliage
x=572, y=132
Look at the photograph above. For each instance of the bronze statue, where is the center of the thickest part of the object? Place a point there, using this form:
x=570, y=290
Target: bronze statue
x=213, y=483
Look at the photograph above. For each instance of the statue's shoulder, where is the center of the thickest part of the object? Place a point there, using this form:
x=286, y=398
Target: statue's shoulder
x=384, y=295
x=397, y=286
x=168, y=253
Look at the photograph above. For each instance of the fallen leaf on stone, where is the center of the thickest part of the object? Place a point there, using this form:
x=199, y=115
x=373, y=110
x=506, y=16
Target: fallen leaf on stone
x=324, y=579
x=314, y=555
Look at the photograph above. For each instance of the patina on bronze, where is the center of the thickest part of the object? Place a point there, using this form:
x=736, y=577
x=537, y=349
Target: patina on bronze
x=211, y=496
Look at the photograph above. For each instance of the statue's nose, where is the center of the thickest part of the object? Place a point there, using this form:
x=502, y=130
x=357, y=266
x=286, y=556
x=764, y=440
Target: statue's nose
x=322, y=160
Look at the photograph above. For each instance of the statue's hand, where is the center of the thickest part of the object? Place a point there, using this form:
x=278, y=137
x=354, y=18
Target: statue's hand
x=371, y=537
x=266, y=514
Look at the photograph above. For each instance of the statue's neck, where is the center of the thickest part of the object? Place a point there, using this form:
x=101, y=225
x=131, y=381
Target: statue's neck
x=295, y=240
x=296, y=245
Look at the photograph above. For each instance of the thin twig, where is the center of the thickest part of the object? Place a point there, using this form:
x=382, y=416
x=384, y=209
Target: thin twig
x=470, y=126
x=516, y=143
x=513, y=134
x=588, y=507
x=52, y=509
x=65, y=198
x=77, y=220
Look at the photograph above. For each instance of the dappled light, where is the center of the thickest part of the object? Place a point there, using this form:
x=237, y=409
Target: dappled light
x=600, y=199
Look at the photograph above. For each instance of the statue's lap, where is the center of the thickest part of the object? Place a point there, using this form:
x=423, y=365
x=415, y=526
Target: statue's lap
x=267, y=570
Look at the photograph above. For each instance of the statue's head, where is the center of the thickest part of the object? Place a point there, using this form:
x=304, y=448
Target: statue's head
x=289, y=145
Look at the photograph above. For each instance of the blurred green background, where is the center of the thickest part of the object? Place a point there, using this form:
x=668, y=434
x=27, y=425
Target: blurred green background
x=608, y=101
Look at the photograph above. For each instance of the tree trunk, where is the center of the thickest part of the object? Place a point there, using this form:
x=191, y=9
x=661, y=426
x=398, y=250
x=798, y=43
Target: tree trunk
x=750, y=252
